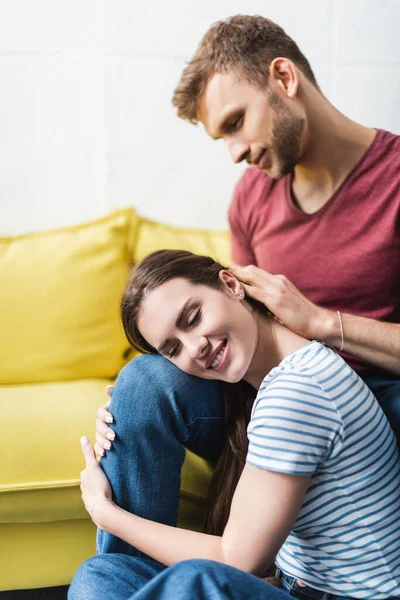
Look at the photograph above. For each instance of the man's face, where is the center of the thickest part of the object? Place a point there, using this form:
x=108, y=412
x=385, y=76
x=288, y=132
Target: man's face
x=257, y=125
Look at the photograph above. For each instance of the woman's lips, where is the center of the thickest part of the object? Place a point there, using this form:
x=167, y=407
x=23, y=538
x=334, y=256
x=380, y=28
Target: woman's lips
x=223, y=360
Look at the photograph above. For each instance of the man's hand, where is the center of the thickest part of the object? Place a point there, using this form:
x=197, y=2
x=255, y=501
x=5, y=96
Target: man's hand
x=285, y=301
x=104, y=435
x=95, y=486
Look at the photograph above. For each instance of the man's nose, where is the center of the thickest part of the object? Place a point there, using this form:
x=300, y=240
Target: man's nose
x=197, y=347
x=237, y=149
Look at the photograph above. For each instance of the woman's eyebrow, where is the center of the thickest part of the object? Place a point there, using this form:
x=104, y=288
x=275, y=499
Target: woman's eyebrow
x=178, y=323
x=182, y=312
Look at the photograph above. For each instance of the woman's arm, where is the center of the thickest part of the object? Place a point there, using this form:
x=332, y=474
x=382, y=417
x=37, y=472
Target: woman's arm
x=374, y=341
x=264, y=507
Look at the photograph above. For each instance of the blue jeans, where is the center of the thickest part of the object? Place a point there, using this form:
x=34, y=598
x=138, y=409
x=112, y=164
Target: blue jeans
x=387, y=392
x=158, y=411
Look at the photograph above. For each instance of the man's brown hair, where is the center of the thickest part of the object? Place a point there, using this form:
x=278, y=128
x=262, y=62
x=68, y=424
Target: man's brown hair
x=242, y=44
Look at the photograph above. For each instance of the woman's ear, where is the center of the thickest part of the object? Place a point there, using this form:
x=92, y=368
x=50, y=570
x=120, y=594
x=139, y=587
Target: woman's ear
x=231, y=284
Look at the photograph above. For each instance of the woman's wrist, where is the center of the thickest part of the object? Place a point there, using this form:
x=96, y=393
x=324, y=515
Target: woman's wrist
x=100, y=510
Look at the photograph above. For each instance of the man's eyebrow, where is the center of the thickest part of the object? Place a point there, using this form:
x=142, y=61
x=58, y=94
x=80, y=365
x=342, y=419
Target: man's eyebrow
x=178, y=323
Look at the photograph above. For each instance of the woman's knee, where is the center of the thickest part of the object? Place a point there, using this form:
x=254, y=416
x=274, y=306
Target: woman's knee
x=87, y=580
x=140, y=388
x=197, y=567
x=114, y=575
x=150, y=385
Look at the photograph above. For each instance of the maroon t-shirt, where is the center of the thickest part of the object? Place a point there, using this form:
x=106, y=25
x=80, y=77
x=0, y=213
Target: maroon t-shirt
x=346, y=256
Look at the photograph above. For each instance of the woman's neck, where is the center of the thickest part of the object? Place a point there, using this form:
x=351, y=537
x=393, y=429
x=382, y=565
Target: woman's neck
x=275, y=342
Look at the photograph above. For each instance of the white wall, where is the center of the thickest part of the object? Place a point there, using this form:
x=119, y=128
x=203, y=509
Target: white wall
x=86, y=121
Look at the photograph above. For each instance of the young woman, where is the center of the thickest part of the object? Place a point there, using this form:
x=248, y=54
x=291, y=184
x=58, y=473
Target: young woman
x=319, y=489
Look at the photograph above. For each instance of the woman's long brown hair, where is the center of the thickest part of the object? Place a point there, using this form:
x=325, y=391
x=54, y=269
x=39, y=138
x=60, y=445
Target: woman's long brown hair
x=156, y=269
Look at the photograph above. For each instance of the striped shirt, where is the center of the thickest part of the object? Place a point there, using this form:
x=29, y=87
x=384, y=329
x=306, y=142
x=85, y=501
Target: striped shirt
x=314, y=416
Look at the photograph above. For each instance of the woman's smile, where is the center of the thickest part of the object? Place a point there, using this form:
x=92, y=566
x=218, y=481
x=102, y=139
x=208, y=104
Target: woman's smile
x=218, y=358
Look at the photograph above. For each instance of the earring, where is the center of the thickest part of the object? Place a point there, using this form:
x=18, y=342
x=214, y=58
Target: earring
x=241, y=294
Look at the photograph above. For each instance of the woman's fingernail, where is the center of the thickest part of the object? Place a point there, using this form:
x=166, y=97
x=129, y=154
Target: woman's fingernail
x=107, y=445
x=111, y=435
x=84, y=440
x=109, y=419
x=108, y=388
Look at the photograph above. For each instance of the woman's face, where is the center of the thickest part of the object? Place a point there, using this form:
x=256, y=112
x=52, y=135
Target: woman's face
x=205, y=332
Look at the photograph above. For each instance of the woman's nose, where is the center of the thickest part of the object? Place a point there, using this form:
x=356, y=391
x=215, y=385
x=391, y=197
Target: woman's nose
x=197, y=347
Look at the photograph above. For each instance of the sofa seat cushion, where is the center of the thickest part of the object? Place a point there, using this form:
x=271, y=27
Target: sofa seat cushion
x=42, y=457
x=60, y=300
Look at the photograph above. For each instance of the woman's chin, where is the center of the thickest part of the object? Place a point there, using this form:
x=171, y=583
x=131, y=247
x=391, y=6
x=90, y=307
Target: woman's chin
x=234, y=376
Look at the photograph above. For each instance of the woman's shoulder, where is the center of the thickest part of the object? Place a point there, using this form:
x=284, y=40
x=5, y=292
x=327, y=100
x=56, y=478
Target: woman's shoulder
x=302, y=382
x=306, y=364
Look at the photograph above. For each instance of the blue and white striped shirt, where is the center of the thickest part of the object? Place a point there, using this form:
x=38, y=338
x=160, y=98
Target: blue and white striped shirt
x=314, y=416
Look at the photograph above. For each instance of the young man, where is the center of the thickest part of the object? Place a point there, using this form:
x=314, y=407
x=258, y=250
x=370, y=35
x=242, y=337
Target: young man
x=319, y=211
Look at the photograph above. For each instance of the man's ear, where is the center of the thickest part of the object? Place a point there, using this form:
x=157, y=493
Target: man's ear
x=231, y=284
x=284, y=75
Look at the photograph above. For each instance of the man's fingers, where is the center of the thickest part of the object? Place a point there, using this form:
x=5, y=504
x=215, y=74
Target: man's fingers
x=252, y=275
x=254, y=292
x=88, y=452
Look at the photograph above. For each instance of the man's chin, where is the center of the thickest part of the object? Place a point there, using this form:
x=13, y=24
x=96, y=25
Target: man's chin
x=273, y=172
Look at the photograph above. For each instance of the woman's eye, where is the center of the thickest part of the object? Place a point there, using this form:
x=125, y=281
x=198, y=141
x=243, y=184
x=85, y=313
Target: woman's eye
x=173, y=352
x=194, y=318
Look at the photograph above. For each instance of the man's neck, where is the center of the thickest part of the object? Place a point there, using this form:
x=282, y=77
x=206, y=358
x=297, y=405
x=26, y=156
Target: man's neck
x=335, y=144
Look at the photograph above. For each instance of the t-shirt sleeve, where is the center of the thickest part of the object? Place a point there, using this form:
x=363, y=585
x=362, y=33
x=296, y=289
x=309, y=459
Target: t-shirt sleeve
x=294, y=427
x=241, y=250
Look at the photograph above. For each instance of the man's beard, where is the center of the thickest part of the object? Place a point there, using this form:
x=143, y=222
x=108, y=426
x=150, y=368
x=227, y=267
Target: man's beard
x=287, y=130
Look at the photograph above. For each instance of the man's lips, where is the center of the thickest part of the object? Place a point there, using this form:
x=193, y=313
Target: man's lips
x=262, y=160
x=214, y=354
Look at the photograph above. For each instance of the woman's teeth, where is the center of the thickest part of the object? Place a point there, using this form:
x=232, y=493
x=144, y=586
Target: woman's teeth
x=217, y=359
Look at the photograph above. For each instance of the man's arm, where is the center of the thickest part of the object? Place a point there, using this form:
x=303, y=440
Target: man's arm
x=376, y=342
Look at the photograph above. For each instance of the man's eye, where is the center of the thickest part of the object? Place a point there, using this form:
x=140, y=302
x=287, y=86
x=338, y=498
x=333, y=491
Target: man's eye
x=236, y=123
x=194, y=318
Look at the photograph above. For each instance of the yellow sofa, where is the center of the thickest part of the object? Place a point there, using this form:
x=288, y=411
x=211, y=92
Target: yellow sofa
x=62, y=343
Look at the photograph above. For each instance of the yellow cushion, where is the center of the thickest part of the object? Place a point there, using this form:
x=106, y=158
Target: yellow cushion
x=42, y=458
x=59, y=301
x=41, y=449
x=153, y=236
x=38, y=555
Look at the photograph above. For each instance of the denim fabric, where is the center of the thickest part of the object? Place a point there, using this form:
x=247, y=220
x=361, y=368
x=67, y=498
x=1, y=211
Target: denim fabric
x=387, y=392
x=158, y=410
x=304, y=592
x=126, y=577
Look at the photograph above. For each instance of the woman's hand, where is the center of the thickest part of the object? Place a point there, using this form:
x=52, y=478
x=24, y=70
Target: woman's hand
x=286, y=302
x=104, y=434
x=95, y=486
